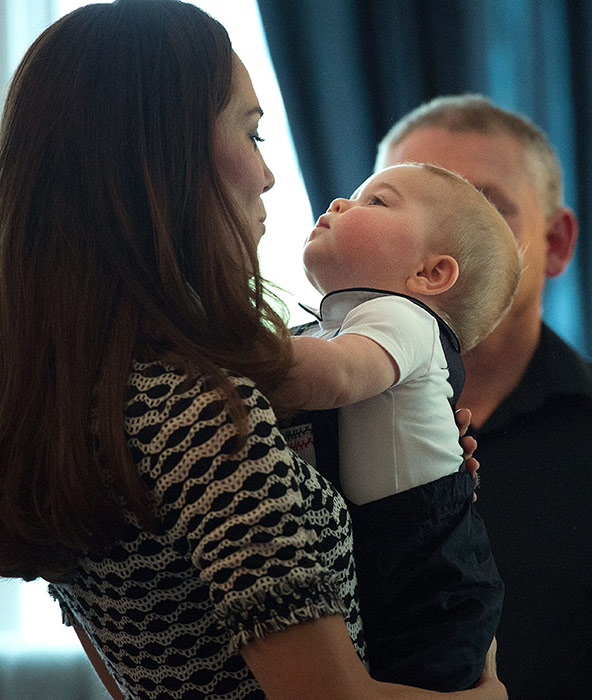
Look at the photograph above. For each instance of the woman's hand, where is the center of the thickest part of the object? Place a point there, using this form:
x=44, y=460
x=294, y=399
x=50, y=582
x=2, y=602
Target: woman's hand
x=316, y=660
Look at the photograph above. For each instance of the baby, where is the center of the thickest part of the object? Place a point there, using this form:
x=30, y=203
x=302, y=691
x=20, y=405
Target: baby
x=415, y=267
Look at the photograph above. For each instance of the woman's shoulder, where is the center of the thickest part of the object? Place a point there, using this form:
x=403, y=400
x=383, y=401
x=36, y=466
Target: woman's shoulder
x=169, y=409
x=156, y=376
x=158, y=386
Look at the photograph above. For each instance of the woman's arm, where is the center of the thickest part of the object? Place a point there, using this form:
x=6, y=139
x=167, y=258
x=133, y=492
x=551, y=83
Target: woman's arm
x=337, y=372
x=316, y=660
x=99, y=665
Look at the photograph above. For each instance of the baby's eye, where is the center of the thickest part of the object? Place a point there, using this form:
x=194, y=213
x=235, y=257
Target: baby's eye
x=376, y=200
x=255, y=138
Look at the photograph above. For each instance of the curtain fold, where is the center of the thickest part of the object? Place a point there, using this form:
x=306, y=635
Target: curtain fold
x=349, y=68
x=580, y=166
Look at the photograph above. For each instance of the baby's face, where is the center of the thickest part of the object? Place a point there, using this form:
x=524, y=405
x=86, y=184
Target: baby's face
x=379, y=237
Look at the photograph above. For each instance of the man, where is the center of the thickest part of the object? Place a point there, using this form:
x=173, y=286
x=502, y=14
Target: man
x=531, y=399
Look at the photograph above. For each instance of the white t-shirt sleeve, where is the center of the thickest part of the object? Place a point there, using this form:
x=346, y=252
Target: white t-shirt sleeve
x=403, y=329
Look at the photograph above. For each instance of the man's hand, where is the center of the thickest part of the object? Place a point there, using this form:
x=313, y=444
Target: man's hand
x=468, y=443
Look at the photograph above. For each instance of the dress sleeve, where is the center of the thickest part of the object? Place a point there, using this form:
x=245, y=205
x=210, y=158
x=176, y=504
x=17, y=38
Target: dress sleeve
x=260, y=528
x=67, y=618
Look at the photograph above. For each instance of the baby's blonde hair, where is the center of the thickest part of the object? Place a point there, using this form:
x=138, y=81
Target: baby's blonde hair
x=472, y=231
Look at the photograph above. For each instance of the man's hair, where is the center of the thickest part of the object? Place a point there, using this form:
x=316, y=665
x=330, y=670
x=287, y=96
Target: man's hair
x=473, y=112
x=472, y=231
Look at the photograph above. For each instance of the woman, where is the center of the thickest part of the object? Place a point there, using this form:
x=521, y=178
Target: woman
x=143, y=472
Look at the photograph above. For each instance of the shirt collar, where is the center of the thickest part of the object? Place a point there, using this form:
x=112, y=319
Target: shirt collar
x=556, y=369
x=565, y=371
x=336, y=305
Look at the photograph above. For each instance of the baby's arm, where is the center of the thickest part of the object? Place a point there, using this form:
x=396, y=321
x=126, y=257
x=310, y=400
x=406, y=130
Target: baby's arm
x=336, y=372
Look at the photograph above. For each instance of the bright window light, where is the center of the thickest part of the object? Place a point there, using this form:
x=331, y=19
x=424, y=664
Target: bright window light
x=29, y=620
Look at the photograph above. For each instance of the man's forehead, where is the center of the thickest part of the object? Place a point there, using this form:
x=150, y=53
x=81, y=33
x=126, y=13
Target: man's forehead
x=436, y=141
x=482, y=158
x=496, y=163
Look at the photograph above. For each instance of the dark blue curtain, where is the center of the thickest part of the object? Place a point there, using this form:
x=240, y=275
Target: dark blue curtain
x=348, y=69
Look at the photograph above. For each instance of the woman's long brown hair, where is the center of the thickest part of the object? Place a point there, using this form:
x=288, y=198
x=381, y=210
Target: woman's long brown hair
x=117, y=241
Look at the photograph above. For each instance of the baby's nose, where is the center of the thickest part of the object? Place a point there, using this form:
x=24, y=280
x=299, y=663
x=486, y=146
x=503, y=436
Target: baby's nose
x=338, y=205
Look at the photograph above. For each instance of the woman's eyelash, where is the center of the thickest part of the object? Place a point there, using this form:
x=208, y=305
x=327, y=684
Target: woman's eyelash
x=255, y=138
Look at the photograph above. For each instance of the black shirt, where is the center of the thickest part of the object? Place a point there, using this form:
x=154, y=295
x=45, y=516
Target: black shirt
x=536, y=499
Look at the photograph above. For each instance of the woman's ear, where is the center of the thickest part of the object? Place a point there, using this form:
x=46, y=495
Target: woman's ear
x=436, y=276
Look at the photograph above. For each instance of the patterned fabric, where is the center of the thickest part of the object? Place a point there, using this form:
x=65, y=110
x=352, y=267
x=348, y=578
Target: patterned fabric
x=246, y=544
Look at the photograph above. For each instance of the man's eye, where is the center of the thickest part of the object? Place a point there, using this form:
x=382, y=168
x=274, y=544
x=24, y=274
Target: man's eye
x=505, y=207
x=498, y=205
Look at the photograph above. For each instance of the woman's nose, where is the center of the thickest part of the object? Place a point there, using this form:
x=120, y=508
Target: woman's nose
x=269, y=178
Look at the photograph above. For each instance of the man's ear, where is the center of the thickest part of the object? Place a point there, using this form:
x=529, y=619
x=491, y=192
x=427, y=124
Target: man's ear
x=438, y=274
x=561, y=236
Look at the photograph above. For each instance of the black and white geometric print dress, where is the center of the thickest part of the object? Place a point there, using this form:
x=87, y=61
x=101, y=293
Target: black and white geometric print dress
x=246, y=544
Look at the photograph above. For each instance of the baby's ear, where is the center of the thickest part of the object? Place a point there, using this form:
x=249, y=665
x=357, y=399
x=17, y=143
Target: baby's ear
x=437, y=275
